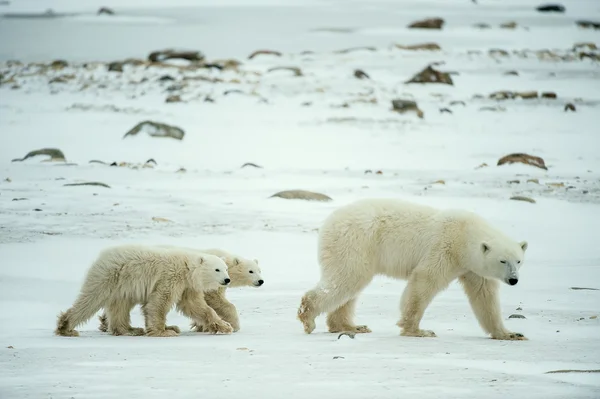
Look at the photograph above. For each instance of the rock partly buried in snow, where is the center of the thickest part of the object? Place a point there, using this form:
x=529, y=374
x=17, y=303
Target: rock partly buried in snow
x=89, y=183
x=570, y=107
x=527, y=95
x=522, y=198
x=588, y=24
x=116, y=66
x=302, y=194
x=295, y=70
x=508, y=25
x=156, y=129
x=105, y=11
x=507, y=95
x=431, y=23
x=174, y=98
x=516, y=316
x=55, y=155
x=401, y=106
x=551, y=8
x=420, y=46
x=430, y=75
x=585, y=46
x=168, y=54
x=59, y=64
x=549, y=94
x=264, y=52
x=524, y=159
x=360, y=74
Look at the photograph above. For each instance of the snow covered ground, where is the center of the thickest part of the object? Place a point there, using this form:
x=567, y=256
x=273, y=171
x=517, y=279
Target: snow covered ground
x=322, y=131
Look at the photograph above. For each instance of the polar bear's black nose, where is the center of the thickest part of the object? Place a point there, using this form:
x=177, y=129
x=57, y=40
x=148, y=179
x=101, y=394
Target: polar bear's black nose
x=227, y=281
x=513, y=281
x=261, y=282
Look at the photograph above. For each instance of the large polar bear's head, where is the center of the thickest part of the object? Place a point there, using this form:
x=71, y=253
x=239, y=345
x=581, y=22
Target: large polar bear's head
x=210, y=272
x=244, y=272
x=502, y=259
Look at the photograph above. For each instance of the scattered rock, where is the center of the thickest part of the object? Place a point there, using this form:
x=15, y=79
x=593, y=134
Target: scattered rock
x=181, y=170
x=360, y=74
x=523, y=158
x=402, y=106
x=551, y=8
x=297, y=71
x=166, y=78
x=89, y=183
x=494, y=109
x=163, y=220
x=584, y=288
x=522, y=198
x=514, y=182
x=570, y=107
x=527, y=95
x=442, y=110
x=55, y=154
x=302, y=194
x=264, y=52
x=593, y=317
x=338, y=357
x=116, y=66
x=483, y=165
x=251, y=165
x=572, y=371
x=457, y=102
x=585, y=45
x=62, y=78
x=431, y=23
x=430, y=75
x=498, y=52
x=549, y=94
x=8, y=180
x=439, y=182
x=168, y=54
x=173, y=98
x=536, y=181
x=10, y=347
x=509, y=25
x=482, y=25
x=588, y=24
x=156, y=129
x=351, y=49
x=519, y=308
x=37, y=210
x=59, y=64
x=20, y=199
x=502, y=95
x=105, y=11
x=516, y=316
x=349, y=334
x=556, y=185
x=511, y=73
x=421, y=46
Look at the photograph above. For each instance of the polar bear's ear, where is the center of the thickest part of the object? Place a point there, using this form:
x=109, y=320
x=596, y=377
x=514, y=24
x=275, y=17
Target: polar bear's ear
x=256, y=261
x=485, y=248
x=236, y=261
x=524, y=245
x=224, y=258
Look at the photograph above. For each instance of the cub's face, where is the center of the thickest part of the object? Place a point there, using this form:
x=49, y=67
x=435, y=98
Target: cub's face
x=213, y=271
x=503, y=261
x=245, y=272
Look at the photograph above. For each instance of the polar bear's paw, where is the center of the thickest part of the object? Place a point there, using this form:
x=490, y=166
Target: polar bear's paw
x=509, y=336
x=173, y=328
x=418, y=333
x=136, y=331
x=162, y=333
x=220, y=326
x=353, y=329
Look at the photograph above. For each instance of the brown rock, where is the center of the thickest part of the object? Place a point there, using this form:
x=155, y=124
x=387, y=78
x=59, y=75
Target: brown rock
x=55, y=155
x=156, y=129
x=430, y=75
x=167, y=54
x=586, y=24
x=297, y=71
x=548, y=94
x=570, y=107
x=498, y=52
x=264, y=52
x=351, y=49
x=163, y=220
x=512, y=73
x=173, y=98
x=105, y=11
x=502, y=95
x=420, y=46
x=431, y=23
x=521, y=198
x=62, y=78
x=585, y=45
x=116, y=66
x=524, y=159
x=402, y=106
x=88, y=183
x=509, y=25
x=360, y=74
x=527, y=95
x=301, y=194
x=59, y=64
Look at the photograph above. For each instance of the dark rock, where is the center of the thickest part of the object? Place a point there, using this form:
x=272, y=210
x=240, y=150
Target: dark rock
x=55, y=154
x=264, y=52
x=521, y=198
x=516, y=316
x=524, y=159
x=296, y=71
x=402, y=106
x=166, y=78
x=59, y=64
x=174, y=98
x=302, y=194
x=168, y=54
x=548, y=94
x=551, y=8
x=90, y=183
x=360, y=74
x=116, y=66
x=352, y=49
x=588, y=24
x=431, y=23
x=430, y=75
x=251, y=165
x=442, y=110
x=105, y=11
x=420, y=46
x=570, y=107
x=156, y=129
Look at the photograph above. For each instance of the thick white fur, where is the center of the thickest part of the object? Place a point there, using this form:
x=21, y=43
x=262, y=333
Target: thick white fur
x=242, y=272
x=157, y=278
x=426, y=246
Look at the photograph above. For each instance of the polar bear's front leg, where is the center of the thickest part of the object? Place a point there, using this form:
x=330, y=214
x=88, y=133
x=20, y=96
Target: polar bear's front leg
x=226, y=310
x=155, y=312
x=342, y=319
x=485, y=302
x=193, y=305
x=424, y=284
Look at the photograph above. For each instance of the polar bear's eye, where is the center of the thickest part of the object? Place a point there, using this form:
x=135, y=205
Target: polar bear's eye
x=518, y=261
x=251, y=271
x=502, y=261
x=217, y=270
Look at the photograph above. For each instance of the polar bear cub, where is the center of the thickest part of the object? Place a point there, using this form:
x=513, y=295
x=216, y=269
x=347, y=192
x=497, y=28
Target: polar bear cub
x=157, y=278
x=242, y=272
x=426, y=246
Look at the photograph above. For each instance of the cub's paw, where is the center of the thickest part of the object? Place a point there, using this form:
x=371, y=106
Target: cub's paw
x=418, y=333
x=220, y=327
x=136, y=331
x=163, y=333
x=173, y=328
x=509, y=336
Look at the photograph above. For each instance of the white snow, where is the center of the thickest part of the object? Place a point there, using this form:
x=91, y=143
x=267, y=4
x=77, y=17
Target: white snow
x=324, y=147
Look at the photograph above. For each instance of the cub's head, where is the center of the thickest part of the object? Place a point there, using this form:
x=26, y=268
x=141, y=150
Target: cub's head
x=502, y=260
x=244, y=272
x=210, y=272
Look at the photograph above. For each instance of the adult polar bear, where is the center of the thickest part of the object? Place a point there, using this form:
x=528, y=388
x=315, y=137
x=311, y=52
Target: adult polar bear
x=426, y=246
